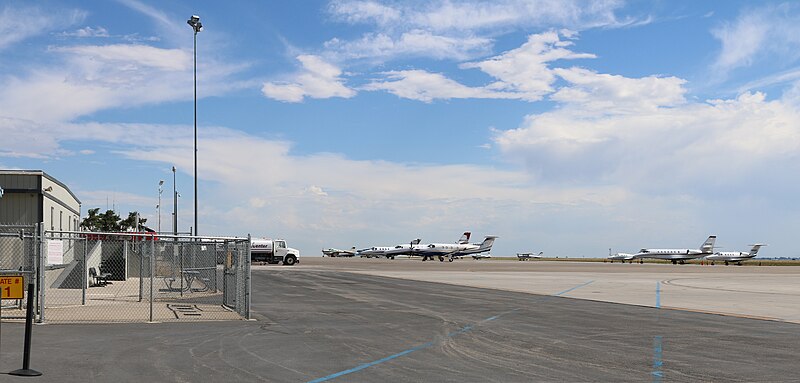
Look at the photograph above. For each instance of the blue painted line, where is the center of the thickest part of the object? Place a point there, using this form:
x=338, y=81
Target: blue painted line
x=576, y=287
x=658, y=294
x=657, y=360
x=402, y=353
x=370, y=364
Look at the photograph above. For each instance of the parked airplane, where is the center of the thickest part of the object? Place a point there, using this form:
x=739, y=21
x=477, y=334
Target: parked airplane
x=374, y=252
x=527, y=256
x=678, y=255
x=453, y=251
x=331, y=252
x=481, y=256
x=734, y=256
x=620, y=257
x=404, y=249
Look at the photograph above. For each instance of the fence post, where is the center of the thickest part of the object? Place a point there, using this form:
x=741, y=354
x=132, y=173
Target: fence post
x=247, y=277
x=40, y=275
x=152, y=272
x=85, y=276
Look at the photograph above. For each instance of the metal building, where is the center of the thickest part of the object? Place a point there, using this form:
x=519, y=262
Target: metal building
x=32, y=196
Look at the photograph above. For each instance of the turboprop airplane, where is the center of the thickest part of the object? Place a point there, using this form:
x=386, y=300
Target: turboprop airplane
x=404, y=249
x=331, y=252
x=527, y=256
x=452, y=251
x=620, y=257
x=678, y=255
x=734, y=256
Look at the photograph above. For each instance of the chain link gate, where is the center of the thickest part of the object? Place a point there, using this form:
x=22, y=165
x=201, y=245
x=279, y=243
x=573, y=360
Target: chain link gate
x=140, y=277
x=19, y=255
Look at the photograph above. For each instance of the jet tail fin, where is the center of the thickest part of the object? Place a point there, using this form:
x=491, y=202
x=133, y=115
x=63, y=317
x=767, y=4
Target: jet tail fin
x=488, y=242
x=708, y=245
x=755, y=248
x=464, y=238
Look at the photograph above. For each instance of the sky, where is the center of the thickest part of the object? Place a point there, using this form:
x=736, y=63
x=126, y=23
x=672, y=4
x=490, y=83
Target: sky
x=569, y=127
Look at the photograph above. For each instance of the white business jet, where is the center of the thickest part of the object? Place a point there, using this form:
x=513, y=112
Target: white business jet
x=734, y=256
x=678, y=255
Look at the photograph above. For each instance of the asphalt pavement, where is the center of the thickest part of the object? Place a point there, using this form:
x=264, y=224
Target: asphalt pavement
x=329, y=326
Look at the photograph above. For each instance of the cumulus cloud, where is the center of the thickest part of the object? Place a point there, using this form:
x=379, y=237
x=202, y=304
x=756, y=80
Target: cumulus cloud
x=523, y=73
x=701, y=146
x=317, y=79
x=589, y=90
x=525, y=70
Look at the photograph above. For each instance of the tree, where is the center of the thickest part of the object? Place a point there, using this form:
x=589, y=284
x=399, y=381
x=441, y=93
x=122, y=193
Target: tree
x=110, y=222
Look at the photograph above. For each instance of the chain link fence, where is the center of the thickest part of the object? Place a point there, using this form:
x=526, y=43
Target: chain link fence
x=18, y=257
x=130, y=277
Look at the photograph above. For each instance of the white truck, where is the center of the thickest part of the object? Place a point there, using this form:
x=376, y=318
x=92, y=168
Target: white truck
x=273, y=251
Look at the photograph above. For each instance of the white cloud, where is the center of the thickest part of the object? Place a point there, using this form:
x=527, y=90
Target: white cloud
x=425, y=86
x=130, y=57
x=759, y=34
x=456, y=30
x=691, y=148
x=525, y=69
x=588, y=90
x=364, y=11
x=87, y=32
x=417, y=43
x=18, y=24
x=522, y=73
x=318, y=79
x=90, y=78
x=471, y=15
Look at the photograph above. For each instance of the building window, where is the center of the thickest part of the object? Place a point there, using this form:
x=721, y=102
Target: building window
x=52, y=218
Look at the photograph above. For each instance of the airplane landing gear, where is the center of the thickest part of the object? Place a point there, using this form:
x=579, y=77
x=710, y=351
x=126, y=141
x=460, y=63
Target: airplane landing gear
x=441, y=258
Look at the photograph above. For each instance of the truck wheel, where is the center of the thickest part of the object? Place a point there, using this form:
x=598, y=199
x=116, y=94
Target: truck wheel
x=289, y=260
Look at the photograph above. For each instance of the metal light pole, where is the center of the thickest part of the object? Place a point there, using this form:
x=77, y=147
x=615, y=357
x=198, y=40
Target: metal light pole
x=197, y=26
x=160, y=190
x=175, y=206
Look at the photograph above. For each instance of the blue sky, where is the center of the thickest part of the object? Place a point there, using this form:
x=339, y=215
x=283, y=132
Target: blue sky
x=568, y=127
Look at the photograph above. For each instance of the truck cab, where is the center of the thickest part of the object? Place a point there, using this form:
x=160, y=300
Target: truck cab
x=273, y=251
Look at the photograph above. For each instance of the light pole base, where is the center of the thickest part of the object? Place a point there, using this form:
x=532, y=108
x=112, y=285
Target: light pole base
x=25, y=372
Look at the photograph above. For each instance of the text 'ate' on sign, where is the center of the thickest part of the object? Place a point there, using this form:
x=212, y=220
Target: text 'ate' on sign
x=11, y=287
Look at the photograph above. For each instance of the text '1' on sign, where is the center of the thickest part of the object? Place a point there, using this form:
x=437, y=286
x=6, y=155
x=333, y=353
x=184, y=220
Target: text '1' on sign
x=11, y=287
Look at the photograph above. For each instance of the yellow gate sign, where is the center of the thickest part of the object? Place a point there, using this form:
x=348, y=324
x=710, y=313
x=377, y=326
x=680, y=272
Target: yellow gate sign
x=11, y=286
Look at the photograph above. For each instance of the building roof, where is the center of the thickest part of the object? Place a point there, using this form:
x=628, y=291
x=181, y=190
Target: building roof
x=39, y=173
